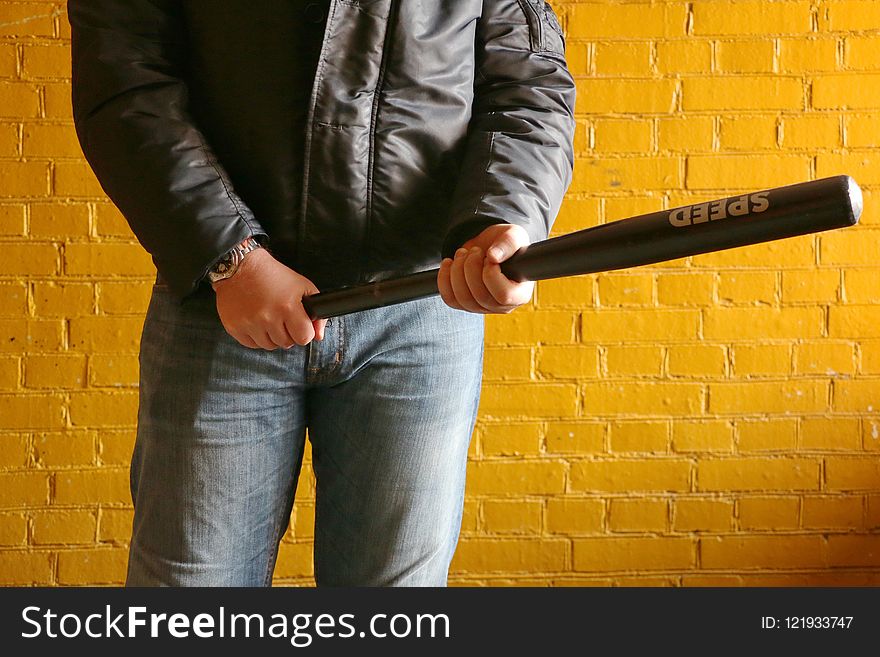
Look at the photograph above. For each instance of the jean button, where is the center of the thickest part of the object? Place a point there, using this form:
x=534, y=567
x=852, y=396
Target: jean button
x=314, y=13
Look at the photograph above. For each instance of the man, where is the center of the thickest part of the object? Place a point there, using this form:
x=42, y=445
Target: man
x=261, y=151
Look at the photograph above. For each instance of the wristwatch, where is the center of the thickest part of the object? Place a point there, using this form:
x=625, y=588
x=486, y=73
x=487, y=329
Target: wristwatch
x=228, y=264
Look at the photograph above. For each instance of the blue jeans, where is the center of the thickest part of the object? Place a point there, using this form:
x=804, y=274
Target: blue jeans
x=389, y=398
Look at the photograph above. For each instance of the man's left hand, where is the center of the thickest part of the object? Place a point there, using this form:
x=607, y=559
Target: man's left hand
x=473, y=280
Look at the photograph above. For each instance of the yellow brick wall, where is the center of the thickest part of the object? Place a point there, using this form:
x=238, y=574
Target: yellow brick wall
x=707, y=421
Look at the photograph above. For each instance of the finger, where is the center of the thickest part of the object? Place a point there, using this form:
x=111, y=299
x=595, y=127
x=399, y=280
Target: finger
x=506, y=244
x=279, y=336
x=319, y=326
x=444, y=284
x=506, y=293
x=244, y=340
x=298, y=324
x=473, y=273
x=459, y=283
x=263, y=340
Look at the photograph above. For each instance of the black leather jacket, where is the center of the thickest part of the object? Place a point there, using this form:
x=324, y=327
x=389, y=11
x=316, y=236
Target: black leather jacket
x=428, y=120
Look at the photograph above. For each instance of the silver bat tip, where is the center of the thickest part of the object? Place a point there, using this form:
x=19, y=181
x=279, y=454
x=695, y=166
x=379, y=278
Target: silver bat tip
x=855, y=198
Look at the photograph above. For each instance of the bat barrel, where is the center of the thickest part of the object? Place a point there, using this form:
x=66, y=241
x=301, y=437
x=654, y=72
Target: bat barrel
x=727, y=223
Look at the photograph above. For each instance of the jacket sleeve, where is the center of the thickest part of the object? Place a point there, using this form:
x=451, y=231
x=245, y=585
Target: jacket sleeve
x=130, y=113
x=518, y=157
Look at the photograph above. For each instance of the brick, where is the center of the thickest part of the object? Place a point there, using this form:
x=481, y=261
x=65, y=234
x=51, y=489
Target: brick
x=44, y=140
x=303, y=524
x=748, y=133
x=588, y=20
x=13, y=299
x=18, y=335
x=697, y=361
x=26, y=19
x=758, y=474
x=631, y=206
x=694, y=514
x=689, y=289
x=761, y=552
x=574, y=214
x=852, y=15
x=75, y=179
x=639, y=325
x=115, y=447
x=752, y=17
x=643, y=96
x=631, y=475
x=639, y=515
x=768, y=397
x=510, y=555
x=857, y=395
x=677, y=57
x=792, y=252
x=578, y=57
x=23, y=489
x=31, y=411
x=95, y=486
x=746, y=171
x=24, y=179
x=822, y=286
x=46, y=61
x=108, y=259
x=13, y=450
x=750, y=288
x=89, y=567
x=763, y=323
x=574, y=516
x=870, y=357
x=633, y=398
x=109, y=222
x=8, y=60
x=575, y=438
x=59, y=221
x=807, y=55
x=55, y=371
x=854, y=322
x=873, y=512
x=622, y=58
x=855, y=249
x=639, y=437
x=702, y=436
x=57, y=96
x=115, y=370
x=13, y=529
x=533, y=399
x=523, y=478
x=568, y=362
x=838, y=512
x=114, y=525
x=124, y=298
x=512, y=517
x=530, y=327
x=65, y=527
x=63, y=299
x=20, y=100
x=623, y=136
x=742, y=93
x=105, y=334
x=12, y=220
x=574, y=292
x=766, y=435
x=26, y=568
x=861, y=131
x=854, y=550
x=870, y=434
x=103, y=409
x=769, y=512
x=294, y=560
x=511, y=439
x=9, y=141
x=687, y=134
x=846, y=91
x=509, y=363
x=611, y=554
x=626, y=289
x=30, y=259
x=745, y=56
x=811, y=132
x=633, y=173
x=830, y=433
x=69, y=448
x=824, y=358
x=761, y=360
x=842, y=473
x=9, y=373
x=633, y=360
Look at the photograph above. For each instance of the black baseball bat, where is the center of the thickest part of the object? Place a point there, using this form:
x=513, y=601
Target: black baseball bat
x=764, y=216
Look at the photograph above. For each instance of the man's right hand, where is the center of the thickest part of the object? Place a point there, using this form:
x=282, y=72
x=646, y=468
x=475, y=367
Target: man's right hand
x=261, y=304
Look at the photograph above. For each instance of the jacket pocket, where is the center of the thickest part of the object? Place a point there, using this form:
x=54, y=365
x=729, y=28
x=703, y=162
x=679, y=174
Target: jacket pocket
x=545, y=33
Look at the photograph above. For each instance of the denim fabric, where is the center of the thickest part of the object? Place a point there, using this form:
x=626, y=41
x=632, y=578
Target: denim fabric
x=389, y=398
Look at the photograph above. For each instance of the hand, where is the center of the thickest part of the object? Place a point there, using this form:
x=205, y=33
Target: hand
x=261, y=304
x=473, y=280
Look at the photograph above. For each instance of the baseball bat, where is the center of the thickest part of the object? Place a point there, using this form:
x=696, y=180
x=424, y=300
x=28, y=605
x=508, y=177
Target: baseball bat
x=727, y=223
